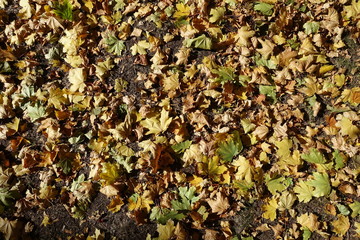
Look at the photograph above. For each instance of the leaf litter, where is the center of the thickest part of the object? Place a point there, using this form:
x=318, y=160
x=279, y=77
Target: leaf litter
x=187, y=116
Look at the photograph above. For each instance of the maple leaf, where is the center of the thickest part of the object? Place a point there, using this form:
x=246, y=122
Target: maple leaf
x=264, y=8
x=26, y=9
x=247, y=125
x=304, y=191
x=162, y=215
x=278, y=184
x=181, y=147
x=243, y=35
x=7, y=196
x=311, y=27
x=77, y=79
x=140, y=47
x=201, y=42
x=166, y=231
x=187, y=199
x=225, y=74
x=36, y=112
x=114, y=45
x=109, y=172
x=57, y=98
x=352, y=11
x=182, y=11
x=269, y=91
x=216, y=14
x=341, y=225
x=115, y=204
x=11, y=229
x=220, y=204
x=229, y=149
x=171, y=83
x=270, y=209
x=348, y=128
x=156, y=126
x=309, y=221
x=137, y=202
x=314, y=156
x=267, y=48
x=321, y=184
x=244, y=170
x=355, y=207
x=64, y=10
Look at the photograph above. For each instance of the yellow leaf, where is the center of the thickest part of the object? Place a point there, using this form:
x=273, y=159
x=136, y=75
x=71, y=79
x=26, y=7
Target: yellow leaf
x=154, y=125
x=347, y=128
x=171, y=83
x=307, y=47
x=166, y=231
x=77, y=78
x=137, y=202
x=325, y=69
x=14, y=125
x=46, y=220
x=182, y=10
x=244, y=171
x=115, y=204
x=309, y=221
x=57, y=98
x=210, y=167
x=270, y=209
x=341, y=225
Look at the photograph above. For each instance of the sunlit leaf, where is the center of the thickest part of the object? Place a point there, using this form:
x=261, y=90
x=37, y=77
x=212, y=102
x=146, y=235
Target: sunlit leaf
x=201, y=41
x=264, y=8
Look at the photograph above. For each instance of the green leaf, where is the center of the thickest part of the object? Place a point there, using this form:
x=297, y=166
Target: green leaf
x=229, y=149
x=187, y=198
x=5, y=67
x=65, y=165
x=269, y=91
x=339, y=159
x=216, y=14
x=314, y=156
x=303, y=191
x=76, y=184
x=311, y=27
x=64, y=10
x=278, y=184
x=321, y=184
x=36, y=112
x=202, y=42
x=306, y=233
x=181, y=147
x=343, y=209
x=225, y=74
x=270, y=64
x=264, y=8
x=114, y=45
x=7, y=196
x=162, y=215
x=247, y=125
x=355, y=208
